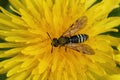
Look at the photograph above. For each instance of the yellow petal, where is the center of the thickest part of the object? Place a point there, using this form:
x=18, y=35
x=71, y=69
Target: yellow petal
x=114, y=77
x=11, y=52
x=101, y=10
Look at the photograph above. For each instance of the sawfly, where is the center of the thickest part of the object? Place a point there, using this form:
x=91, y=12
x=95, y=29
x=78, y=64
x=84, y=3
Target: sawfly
x=75, y=42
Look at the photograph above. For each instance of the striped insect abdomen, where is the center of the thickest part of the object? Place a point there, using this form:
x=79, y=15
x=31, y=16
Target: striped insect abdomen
x=78, y=38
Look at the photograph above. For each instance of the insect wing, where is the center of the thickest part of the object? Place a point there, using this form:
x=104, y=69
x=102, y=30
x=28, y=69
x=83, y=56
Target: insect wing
x=79, y=24
x=83, y=48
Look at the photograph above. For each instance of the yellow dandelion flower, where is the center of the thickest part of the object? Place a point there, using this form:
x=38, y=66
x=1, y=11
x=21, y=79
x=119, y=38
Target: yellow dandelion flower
x=27, y=46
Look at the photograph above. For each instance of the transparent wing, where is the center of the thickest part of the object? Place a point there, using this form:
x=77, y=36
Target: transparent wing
x=77, y=25
x=83, y=48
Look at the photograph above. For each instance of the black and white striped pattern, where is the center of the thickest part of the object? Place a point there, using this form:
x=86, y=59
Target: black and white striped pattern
x=82, y=38
x=78, y=38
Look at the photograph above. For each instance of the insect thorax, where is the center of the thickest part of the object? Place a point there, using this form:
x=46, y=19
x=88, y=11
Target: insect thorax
x=63, y=40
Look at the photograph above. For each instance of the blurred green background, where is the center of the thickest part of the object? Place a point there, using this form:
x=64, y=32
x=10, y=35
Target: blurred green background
x=115, y=12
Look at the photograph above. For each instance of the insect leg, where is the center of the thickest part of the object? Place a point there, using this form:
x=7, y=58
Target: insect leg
x=65, y=48
x=52, y=49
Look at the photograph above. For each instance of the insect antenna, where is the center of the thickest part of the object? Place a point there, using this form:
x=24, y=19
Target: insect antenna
x=51, y=40
x=49, y=36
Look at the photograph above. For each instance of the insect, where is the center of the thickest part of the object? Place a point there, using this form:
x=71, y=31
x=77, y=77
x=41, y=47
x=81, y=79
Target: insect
x=75, y=42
